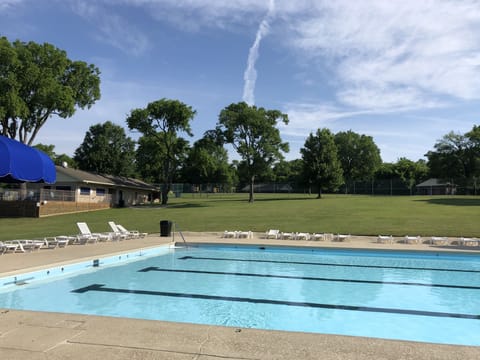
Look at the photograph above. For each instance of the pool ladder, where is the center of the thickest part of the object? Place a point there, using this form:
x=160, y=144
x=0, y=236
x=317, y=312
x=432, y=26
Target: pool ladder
x=175, y=226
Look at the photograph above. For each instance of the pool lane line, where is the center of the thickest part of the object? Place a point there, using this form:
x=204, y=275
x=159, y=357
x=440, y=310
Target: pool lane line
x=102, y=288
x=154, y=268
x=323, y=264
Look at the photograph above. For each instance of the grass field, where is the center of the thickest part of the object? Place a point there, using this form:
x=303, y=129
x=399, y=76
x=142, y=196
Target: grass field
x=348, y=214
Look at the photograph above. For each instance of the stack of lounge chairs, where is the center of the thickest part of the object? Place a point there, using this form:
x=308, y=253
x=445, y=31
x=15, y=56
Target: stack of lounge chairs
x=237, y=234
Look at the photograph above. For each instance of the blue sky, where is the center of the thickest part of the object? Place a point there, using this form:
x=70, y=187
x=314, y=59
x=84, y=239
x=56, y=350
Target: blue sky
x=404, y=72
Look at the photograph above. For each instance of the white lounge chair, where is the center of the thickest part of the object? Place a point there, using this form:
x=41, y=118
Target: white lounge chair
x=64, y=240
x=302, y=236
x=31, y=245
x=8, y=247
x=439, y=240
x=341, y=237
x=288, y=235
x=272, y=234
x=412, y=239
x=469, y=241
x=317, y=237
x=86, y=236
x=14, y=246
x=385, y=239
x=132, y=233
x=244, y=234
x=117, y=234
x=229, y=234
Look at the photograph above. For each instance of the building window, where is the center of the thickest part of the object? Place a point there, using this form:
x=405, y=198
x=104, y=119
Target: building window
x=84, y=191
x=100, y=192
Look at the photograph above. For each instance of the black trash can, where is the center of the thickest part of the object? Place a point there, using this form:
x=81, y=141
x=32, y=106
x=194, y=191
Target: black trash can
x=165, y=228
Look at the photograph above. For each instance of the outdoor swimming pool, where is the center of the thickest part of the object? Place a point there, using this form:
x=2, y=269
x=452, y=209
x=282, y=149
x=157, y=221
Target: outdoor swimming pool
x=427, y=297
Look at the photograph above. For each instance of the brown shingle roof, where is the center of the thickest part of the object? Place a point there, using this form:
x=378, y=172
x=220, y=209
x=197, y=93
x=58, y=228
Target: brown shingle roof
x=65, y=174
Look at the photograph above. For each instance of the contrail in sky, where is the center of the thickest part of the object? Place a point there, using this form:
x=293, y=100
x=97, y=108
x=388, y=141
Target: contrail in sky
x=250, y=75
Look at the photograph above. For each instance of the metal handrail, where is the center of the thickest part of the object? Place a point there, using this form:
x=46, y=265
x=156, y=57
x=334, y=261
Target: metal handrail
x=175, y=225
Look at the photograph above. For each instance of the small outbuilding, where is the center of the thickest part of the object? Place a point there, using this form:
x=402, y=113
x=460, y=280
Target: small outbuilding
x=436, y=186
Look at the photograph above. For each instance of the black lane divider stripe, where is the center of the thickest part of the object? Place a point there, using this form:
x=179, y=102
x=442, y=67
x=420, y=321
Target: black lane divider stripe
x=154, y=268
x=324, y=264
x=101, y=288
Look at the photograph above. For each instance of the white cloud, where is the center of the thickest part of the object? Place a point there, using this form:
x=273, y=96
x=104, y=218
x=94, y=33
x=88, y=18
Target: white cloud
x=117, y=32
x=382, y=54
x=395, y=54
x=306, y=118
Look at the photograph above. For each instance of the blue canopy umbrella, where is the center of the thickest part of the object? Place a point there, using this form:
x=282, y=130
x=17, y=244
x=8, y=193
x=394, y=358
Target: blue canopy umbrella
x=22, y=163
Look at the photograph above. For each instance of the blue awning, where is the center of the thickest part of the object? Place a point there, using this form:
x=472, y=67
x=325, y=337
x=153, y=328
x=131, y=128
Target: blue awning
x=22, y=163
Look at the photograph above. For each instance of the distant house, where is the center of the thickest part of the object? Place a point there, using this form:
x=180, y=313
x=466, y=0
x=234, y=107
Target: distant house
x=435, y=186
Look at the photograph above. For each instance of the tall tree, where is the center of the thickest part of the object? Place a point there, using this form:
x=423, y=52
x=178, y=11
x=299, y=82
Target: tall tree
x=253, y=134
x=106, y=150
x=207, y=162
x=455, y=156
x=150, y=157
x=321, y=164
x=474, y=137
x=38, y=81
x=359, y=156
x=162, y=121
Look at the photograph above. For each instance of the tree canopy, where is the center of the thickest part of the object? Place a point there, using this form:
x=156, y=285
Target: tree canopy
x=106, y=150
x=160, y=123
x=254, y=135
x=207, y=162
x=456, y=156
x=320, y=159
x=358, y=154
x=411, y=172
x=38, y=81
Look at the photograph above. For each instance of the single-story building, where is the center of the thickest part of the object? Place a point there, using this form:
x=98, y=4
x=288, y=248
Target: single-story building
x=74, y=191
x=90, y=187
x=435, y=186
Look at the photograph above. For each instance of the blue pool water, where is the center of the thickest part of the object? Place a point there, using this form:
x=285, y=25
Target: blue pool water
x=425, y=297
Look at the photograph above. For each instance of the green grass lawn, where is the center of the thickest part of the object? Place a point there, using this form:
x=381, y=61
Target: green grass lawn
x=348, y=214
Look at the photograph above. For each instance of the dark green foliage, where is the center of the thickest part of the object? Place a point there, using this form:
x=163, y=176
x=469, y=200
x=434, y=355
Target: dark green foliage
x=253, y=134
x=411, y=173
x=38, y=81
x=457, y=158
x=106, y=150
x=322, y=167
x=358, y=154
x=207, y=163
x=160, y=123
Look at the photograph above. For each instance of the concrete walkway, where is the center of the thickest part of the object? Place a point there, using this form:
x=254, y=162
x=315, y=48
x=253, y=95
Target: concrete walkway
x=41, y=335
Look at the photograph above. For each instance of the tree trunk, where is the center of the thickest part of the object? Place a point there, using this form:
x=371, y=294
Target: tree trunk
x=252, y=181
x=319, y=196
x=165, y=190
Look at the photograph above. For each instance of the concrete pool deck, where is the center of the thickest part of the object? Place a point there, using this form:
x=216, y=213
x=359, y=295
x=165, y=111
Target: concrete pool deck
x=42, y=335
